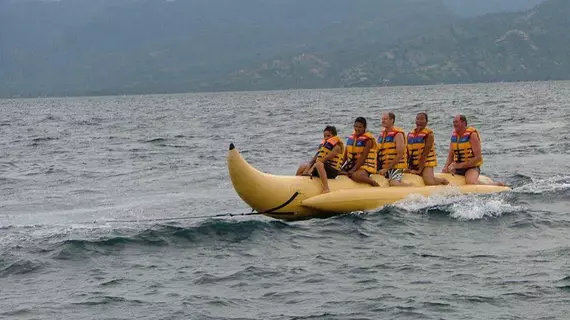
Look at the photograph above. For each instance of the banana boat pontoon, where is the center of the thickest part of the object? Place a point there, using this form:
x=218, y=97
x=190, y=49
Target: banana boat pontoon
x=299, y=197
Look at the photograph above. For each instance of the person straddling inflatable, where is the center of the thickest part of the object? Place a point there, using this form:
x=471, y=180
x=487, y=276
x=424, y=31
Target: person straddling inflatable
x=421, y=152
x=360, y=154
x=328, y=159
x=392, y=155
x=464, y=157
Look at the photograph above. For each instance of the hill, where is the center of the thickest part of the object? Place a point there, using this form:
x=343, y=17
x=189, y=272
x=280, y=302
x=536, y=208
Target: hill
x=138, y=46
x=473, y=8
x=530, y=45
x=93, y=47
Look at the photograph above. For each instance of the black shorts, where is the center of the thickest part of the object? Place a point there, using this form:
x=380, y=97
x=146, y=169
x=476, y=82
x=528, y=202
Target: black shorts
x=331, y=172
x=412, y=167
x=461, y=172
x=349, y=167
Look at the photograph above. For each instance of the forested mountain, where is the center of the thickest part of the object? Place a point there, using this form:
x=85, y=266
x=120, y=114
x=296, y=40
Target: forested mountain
x=530, y=45
x=76, y=47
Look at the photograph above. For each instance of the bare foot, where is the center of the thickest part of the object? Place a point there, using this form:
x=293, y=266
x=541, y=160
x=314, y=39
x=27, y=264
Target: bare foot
x=375, y=184
x=326, y=191
x=445, y=182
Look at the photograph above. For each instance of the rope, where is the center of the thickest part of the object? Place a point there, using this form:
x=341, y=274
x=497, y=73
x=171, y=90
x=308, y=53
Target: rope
x=252, y=213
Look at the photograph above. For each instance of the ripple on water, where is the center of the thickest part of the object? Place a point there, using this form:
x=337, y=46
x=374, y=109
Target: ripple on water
x=67, y=162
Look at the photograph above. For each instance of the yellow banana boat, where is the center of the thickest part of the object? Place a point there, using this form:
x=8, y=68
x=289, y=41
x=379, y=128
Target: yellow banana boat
x=299, y=197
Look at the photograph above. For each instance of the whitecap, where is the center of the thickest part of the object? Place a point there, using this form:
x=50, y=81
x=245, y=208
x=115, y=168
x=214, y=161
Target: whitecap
x=459, y=206
x=540, y=186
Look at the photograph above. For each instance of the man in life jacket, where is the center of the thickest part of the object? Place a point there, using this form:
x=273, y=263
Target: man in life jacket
x=422, y=158
x=392, y=155
x=464, y=157
x=328, y=159
x=360, y=154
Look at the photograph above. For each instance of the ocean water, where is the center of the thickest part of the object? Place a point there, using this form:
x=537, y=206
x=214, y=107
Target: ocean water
x=70, y=168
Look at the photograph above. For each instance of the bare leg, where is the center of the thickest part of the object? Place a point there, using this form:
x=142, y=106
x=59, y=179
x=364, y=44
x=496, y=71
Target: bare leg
x=472, y=176
x=396, y=183
x=441, y=181
x=362, y=176
x=302, y=168
x=430, y=179
x=323, y=174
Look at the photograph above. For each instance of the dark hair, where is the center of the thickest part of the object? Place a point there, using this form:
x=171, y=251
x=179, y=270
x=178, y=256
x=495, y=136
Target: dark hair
x=463, y=118
x=392, y=116
x=425, y=115
x=331, y=129
x=361, y=120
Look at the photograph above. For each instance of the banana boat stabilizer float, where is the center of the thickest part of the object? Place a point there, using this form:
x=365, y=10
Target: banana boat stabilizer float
x=299, y=197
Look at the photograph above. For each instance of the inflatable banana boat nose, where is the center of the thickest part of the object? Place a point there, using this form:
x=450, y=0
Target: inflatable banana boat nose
x=299, y=197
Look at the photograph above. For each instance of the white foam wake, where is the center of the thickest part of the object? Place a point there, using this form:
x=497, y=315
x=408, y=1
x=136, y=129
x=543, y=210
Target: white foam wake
x=539, y=186
x=459, y=206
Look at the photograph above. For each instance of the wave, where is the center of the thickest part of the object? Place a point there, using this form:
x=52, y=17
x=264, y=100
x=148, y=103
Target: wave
x=226, y=230
x=41, y=171
x=105, y=300
x=209, y=231
x=459, y=206
x=245, y=274
x=177, y=146
x=154, y=140
x=20, y=266
x=565, y=279
x=162, y=142
x=79, y=249
x=522, y=179
x=21, y=312
x=92, y=122
x=555, y=184
x=38, y=141
x=50, y=118
x=564, y=284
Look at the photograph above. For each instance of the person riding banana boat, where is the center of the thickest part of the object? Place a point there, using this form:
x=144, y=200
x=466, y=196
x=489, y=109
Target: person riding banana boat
x=421, y=152
x=360, y=154
x=392, y=155
x=297, y=198
x=328, y=159
x=464, y=157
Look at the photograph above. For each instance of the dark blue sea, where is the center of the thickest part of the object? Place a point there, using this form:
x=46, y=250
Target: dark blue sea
x=70, y=168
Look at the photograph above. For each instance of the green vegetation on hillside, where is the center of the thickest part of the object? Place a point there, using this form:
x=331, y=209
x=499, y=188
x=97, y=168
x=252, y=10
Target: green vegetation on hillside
x=77, y=47
x=531, y=45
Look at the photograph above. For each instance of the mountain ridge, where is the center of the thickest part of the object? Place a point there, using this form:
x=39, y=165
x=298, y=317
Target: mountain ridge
x=155, y=46
x=524, y=46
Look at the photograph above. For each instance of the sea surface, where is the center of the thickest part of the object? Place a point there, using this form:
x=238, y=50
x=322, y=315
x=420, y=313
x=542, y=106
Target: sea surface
x=71, y=168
